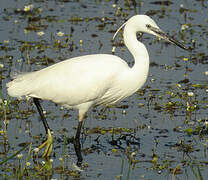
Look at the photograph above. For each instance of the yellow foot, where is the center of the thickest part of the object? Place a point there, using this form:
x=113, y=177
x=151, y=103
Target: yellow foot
x=49, y=145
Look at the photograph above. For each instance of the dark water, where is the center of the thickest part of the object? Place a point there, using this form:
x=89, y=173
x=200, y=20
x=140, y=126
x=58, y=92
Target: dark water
x=155, y=120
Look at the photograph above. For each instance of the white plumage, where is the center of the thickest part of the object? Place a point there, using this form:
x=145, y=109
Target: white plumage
x=84, y=81
x=79, y=82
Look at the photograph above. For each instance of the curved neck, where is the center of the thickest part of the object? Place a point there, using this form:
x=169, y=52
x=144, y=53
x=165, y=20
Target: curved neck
x=139, y=52
x=136, y=48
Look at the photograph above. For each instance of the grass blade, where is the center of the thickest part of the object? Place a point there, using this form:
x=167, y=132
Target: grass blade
x=13, y=155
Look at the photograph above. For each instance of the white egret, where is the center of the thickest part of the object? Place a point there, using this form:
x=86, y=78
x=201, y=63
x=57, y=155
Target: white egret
x=90, y=80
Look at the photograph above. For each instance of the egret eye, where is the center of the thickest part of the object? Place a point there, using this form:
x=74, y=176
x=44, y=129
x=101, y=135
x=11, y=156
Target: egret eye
x=148, y=26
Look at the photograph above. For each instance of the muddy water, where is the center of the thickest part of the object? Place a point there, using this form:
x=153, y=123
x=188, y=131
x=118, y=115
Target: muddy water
x=162, y=120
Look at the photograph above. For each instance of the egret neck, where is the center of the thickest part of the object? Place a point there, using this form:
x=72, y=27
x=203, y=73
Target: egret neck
x=139, y=53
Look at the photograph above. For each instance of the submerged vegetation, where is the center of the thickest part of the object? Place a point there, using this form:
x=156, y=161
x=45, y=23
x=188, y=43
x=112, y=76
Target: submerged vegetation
x=164, y=135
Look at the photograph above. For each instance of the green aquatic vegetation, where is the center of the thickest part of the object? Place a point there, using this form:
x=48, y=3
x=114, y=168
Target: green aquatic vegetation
x=31, y=167
x=56, y=29
x=13, y=155
x=178, y=98
x=100, y=130
x=199, y=128
x=197, y=174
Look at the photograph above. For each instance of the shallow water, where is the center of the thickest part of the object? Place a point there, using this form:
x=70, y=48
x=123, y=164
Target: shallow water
x=156, y=121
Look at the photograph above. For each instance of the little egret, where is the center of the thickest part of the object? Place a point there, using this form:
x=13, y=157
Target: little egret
x=90, y=80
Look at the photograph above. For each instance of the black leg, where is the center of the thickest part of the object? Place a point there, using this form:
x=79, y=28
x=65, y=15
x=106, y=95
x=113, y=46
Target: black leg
x=40, y=110
x=48, y=144
x=77, y=145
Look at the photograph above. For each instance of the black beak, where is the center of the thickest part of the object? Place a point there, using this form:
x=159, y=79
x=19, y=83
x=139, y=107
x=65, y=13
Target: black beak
x=165, y=36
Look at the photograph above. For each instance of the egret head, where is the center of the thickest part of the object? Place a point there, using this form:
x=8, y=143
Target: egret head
x=143, y=23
